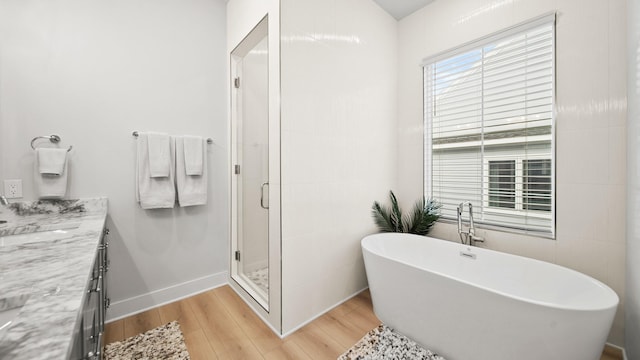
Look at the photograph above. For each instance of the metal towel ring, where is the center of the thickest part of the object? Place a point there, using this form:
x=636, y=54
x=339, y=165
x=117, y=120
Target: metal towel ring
x=53, y=138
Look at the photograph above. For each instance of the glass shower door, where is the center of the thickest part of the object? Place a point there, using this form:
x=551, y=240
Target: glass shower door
x=250, y=265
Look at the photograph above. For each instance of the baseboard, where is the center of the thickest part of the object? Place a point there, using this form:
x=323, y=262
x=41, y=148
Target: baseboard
x=323, y=312
x=137, y=304
x=616, y=351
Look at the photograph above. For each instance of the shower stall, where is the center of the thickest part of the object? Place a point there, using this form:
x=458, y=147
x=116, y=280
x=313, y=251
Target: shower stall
x=312, y=137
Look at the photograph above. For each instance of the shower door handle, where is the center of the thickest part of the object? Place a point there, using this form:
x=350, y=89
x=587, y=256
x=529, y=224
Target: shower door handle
x=262, y=196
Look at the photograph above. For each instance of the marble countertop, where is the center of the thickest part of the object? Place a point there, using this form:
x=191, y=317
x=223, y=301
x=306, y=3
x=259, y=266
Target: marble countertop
x=46, y=261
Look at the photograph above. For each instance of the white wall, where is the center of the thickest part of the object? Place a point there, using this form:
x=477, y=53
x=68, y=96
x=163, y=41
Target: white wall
x=94, y=71
x=591, y=129
x=338, y=146
x=632, y=309
x=242, y=17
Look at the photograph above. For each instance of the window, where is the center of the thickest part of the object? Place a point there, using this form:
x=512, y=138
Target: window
x=489, y=128
x=502, y=184
x=520, y=184
x=537, y=185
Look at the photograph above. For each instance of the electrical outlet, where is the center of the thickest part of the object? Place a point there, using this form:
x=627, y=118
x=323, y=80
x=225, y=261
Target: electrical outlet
x=13, y=188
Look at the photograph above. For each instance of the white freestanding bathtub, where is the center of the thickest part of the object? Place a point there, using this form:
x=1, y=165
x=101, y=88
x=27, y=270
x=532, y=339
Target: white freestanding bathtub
x=468, y=303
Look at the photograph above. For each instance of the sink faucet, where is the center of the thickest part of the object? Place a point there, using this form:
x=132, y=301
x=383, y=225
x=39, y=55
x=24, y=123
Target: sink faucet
x=3, y=202
x=467, y=237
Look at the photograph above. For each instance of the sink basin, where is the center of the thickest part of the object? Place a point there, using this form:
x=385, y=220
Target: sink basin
x=32, y=228
x=9, y=310
x=42, y=233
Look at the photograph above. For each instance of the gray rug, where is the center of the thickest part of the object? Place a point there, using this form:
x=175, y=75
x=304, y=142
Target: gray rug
x=164, y=342
x=383, y=343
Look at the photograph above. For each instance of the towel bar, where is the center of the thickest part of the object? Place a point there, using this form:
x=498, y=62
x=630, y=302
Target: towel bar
x=53, y=138
x=209, y=140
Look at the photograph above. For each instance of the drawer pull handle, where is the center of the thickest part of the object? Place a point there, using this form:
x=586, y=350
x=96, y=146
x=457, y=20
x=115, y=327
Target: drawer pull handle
x=97, y=288
x=95, y=354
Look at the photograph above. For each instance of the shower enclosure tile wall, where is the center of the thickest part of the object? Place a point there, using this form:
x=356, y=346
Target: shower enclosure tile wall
x=338, y=146
x=632, y=309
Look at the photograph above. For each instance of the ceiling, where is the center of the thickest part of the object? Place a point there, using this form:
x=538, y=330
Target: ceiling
x=401, y=8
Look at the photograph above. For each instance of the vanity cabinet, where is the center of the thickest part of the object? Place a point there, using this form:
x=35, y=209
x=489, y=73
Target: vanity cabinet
x=87, y=342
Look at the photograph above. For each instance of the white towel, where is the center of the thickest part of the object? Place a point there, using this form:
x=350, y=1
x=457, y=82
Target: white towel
x=193, y=153
x=192, y=189
x=153, y=192
x=51, y=186
x=159, y=154
x=51, y=161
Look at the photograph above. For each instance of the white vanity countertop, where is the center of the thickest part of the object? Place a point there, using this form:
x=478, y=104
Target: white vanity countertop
x=51, y=267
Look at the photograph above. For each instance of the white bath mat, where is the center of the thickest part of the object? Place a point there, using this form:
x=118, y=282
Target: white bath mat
x=382, y=343
x=164, y=342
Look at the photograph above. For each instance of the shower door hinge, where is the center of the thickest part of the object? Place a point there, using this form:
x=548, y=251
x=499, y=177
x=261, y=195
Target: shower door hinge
x=236, y=83
x=237, y=255
x=236, y=169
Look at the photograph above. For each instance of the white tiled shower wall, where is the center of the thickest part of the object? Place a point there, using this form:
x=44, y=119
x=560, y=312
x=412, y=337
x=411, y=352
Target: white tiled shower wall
x=338, y=146
x=591, y=125
x=632, y=310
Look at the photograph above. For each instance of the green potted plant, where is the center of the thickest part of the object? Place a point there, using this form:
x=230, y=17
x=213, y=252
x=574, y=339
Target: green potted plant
x=422, y=217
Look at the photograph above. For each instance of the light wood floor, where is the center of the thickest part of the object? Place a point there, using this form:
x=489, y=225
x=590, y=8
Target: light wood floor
x=218, y=325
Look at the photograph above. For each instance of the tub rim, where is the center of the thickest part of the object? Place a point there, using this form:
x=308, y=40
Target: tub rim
x=604, y=287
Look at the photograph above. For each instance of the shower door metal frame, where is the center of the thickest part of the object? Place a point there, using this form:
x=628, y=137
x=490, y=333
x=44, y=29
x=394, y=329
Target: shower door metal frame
x=249, y=42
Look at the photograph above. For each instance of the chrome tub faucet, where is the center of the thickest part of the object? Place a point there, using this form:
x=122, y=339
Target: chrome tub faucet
x=467, y=237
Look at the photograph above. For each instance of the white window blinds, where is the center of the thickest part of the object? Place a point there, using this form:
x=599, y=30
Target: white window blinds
x=489, y=119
